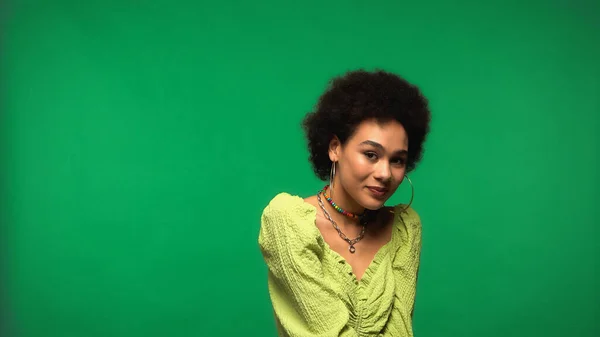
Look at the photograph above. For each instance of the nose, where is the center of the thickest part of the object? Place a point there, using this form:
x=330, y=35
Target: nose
x=383, y=172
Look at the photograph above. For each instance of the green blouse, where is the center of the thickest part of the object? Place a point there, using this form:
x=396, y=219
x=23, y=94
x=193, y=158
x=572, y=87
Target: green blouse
x=314, y=291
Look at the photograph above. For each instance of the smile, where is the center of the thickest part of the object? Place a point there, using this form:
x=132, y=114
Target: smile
x=377, y=192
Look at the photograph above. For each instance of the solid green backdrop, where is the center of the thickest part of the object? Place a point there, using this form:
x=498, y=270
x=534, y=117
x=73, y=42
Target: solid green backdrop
x=140, y=143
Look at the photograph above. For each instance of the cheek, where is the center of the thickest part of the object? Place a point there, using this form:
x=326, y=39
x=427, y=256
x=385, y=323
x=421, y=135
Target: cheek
x=361, y=167
x=399, y=176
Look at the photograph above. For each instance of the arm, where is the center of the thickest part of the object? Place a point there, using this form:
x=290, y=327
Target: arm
x=303, y=301
x=418, y=237
x=412, y=311
x=406, y=267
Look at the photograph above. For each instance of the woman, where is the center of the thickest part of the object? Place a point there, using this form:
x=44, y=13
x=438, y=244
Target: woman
x=340, y=262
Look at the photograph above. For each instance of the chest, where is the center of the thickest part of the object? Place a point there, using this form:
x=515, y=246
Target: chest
x=366, y=249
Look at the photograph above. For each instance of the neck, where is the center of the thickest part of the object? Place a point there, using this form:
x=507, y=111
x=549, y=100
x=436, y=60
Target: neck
x=345, y=201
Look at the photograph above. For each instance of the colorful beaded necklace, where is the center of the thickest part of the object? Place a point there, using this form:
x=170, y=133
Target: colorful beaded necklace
x=338, y=208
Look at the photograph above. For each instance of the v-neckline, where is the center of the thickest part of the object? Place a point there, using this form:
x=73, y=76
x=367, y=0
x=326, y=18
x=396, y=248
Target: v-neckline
x=339, y=258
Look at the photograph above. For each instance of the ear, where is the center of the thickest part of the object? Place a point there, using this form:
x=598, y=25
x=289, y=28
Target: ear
x=335, y=149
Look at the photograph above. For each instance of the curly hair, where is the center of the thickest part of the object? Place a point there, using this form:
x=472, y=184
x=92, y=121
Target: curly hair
x=362, y=95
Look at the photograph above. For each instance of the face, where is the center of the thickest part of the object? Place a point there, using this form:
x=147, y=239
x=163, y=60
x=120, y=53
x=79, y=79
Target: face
x=371, y=165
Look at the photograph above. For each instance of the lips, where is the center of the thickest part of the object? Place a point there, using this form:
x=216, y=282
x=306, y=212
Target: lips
x=378, y=189
x=377, y=192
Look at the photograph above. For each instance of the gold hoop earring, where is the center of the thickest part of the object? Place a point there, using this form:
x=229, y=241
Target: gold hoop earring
x=412, y=194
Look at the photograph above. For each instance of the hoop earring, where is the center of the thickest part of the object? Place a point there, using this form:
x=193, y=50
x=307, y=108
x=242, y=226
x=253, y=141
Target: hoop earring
x=412, y=194
x=331, y=176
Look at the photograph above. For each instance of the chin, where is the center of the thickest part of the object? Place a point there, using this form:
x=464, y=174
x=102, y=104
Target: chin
x=374, y=201
x=373, y=204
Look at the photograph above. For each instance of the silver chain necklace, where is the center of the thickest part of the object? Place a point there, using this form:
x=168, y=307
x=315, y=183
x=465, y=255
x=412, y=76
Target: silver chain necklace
x=351, y=242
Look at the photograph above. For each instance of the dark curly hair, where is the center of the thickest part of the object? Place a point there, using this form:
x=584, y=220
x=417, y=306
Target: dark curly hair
x=362, y=95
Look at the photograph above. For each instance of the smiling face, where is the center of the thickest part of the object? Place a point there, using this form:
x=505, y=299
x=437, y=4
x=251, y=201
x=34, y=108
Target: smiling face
x=370, y=165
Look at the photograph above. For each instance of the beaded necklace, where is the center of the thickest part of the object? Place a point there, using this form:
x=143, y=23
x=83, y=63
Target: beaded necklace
x=351, y=242
x=338, y=208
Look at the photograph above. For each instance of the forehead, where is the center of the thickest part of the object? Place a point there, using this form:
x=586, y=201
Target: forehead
x=389, y=134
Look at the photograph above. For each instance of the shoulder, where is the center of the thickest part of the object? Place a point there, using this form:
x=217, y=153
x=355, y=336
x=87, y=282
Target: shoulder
x=407, y=218
x=287, y=220
x=287, y=206
x=407, y=212
x=288, y=213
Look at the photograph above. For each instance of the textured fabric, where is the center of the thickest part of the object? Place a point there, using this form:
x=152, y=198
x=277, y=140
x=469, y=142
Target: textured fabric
x=313, y=289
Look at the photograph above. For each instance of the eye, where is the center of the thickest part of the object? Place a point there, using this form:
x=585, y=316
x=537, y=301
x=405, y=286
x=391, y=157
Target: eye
x=399, y=161
x=371, y=155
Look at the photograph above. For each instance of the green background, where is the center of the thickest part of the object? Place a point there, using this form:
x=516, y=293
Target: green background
x=140, y=142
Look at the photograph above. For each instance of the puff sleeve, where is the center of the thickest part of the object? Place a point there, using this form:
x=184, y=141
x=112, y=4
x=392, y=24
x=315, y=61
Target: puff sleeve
x=304, y=304
x=406, y=261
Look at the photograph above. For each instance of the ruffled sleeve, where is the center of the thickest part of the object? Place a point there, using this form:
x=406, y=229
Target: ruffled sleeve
x=304, y=302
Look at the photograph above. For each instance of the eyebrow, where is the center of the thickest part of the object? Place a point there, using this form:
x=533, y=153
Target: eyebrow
x=380, y=147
